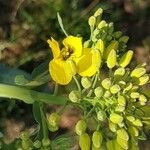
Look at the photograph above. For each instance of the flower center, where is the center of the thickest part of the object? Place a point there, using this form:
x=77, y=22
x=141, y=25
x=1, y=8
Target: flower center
x=66, y=53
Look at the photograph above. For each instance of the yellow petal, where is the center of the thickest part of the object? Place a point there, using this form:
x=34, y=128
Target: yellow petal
x=75, y=44
x=55, y=47
x=61, y=71
x=89, y=63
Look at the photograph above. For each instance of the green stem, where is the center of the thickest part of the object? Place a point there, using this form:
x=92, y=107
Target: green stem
x=55, y=89
x=89, y=112
x=77, y=83
x=29, y=96
x=44, y=124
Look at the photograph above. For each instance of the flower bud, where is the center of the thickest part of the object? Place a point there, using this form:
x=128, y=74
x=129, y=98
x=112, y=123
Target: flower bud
x=86, y=82
x=111, y=59
x=115, y=89
x=133, y=131
x=138, y=72
x=45, y=142
x=98, y=12
x=120, y=108
x=106, y=83
x=97, y=139
x=126, y=58
x=116, y=118
x=142, y=98
x=99, y=92
x=124, y=39
x=75, y=96
x=121, y=100
x=53, y=128
x=107, y=94
x=112, y=126
x=84, y=142
x=144, y=79
x=80, y=127
x=118, y=34
x=37, y=144
x=86, y=44
x=130, y=118
x=122, y=134
x=137, y=123
x=101, y=115
x=102, y=24
x=119, y=72
x=92, y=21
x=134, y=95
x=100, y=46
x=53, y=119
x=113, y=45
x=122, y=143
x=128, y=87
x=111, y=27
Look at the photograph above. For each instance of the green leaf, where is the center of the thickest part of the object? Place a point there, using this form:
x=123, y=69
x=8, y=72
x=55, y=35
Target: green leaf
x=29, y=96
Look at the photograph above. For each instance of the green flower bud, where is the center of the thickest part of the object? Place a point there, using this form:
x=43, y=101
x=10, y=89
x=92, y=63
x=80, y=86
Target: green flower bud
x=122, y=82
x=94, y=148
x=26, y=142
x=101, y=115
x=133, y=131
x=119, y=72
x=134, y=88
x=75, y=96
x=144, y=79
x=112, y=126
x=98, y=12
x=45, y=142
x=121, y=125
x=111, y=59
x=137, y=123
x=92, y=21
x=128, y=87
x=118, y=34
x=37, y=144
x=53, y=128
x=102, y=24
x=113, y=45
x=121, y=100
x=115, y=89
x=86, y=82
x=97, y=139
x=86, y=44
x=143, y=98
x=124, y=39
x=53, y=119
x=100, y=46
x=99, y=92
x=122, y=143
x=138, y=72
x=116, y=118
x=126, y=58
x=120, y=108
x=80, y=127
x=84, y=142
x=106, y=83
x=130, y=118
x=111, y=27
x=134, y=95
x=122, y=133
x=107, y=94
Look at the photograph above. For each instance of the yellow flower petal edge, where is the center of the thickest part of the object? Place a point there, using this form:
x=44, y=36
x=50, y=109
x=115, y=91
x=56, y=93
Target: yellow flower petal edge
x=74, y=43
x=89, y=63
x=55, y=47
x=61, y=71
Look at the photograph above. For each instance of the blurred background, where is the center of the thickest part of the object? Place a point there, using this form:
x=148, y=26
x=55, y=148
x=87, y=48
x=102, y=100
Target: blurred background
x=25, y=26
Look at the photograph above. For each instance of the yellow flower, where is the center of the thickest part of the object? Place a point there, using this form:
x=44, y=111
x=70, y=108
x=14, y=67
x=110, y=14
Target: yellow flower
x=72, y=59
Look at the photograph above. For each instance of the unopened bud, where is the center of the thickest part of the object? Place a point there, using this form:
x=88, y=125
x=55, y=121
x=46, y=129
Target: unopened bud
x=53, y=119
x=121, y=100
x=100, y=46
x=134, y=95
x=138, y=123
x=97, y=139
x=99, y=92
x=118, y=34
x=46, y=142
x=102, y=24
x=144, y=79
x=111, y=59
x=84, y=142
x=133, y=131
x=138, y=72
x=106, y=83
x=80, y=127
x=101, y=115
x=37, y=144
x=126, y=58
x=124, y=39
x=122, y=134
x=75, y=96
x=115, y=89
x=119, y=72
x=98, y=12
x=92, y=21
x=130, y=118
x=86, y=82
x=107, y=94
x=116, y=118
